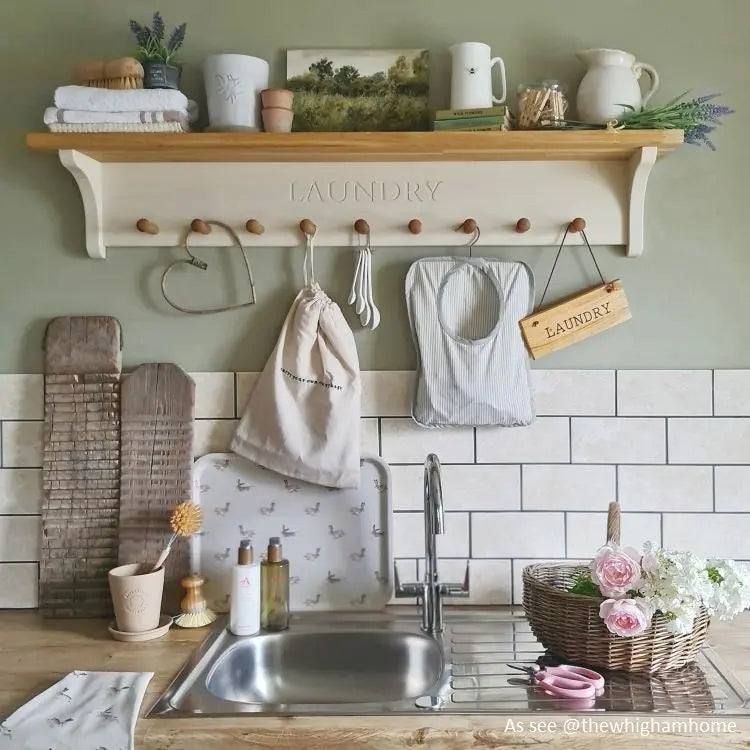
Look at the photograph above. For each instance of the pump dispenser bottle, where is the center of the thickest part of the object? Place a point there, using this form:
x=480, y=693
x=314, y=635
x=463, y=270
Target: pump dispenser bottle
x=274, y=586
x=244, y=609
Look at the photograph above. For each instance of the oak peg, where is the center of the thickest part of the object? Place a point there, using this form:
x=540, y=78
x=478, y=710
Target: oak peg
x=415, y=226
x=523, y=225
x=254, y=226
x=577, y=225
x=307, y=227
x=146, y=226
x=200, y=226
x=361, y=227
x=469, y=226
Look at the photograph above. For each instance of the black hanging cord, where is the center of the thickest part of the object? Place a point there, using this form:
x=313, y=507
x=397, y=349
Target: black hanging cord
x=557, y=257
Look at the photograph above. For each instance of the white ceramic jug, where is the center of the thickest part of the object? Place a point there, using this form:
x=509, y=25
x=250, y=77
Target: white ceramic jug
x=610, y=83
x=471, y=78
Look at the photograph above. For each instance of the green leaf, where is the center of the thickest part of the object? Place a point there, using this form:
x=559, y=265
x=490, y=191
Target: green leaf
x=583, y=585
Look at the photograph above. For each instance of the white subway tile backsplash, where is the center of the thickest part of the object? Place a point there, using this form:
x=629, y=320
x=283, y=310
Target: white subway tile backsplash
x=663, y=393
x=546, y=440
x=213, y=435
x=245, y=383
x=709, y=534
x=369, y=436
x=732, y=393
x=405, y=442
x=574, y=392
x=489, y=580
x=613, y=440
x=665, y=488
x=22, y=444
x=732, y=486
x=517, y=534
x=20, y=491
x=568, y=487
x=408, y=535
x=387, y=394
x=19, y=585
x=723, y=440
x=586, y=532
x=20, y=538
x=469, y=487
x=21, y=397
x=214, y=395
x=566, y=483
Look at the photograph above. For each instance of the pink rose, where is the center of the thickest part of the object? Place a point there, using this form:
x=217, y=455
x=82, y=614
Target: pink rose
x=616, y=570
x=625, y=617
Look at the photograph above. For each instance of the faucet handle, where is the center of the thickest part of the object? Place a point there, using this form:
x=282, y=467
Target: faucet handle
x=405, y=590
x=459, y=590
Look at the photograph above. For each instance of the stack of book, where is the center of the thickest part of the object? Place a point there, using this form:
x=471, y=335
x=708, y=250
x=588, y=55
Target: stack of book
x=490, y=118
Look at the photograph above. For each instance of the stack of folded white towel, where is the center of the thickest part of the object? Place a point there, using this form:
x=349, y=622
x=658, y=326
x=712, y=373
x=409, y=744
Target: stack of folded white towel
x=85, y=109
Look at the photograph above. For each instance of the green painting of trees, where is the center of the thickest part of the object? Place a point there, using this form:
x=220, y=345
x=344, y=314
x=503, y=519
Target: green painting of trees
x=331, y=98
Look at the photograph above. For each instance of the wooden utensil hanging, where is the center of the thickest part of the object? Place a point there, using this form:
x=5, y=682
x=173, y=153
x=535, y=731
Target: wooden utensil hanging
x=576, y=317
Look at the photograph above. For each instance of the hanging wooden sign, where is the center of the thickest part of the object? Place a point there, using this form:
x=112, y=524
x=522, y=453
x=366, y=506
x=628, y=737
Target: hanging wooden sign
x=575, y=319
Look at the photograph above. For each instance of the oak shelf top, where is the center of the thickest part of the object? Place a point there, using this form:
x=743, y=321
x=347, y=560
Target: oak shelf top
x=517, y=145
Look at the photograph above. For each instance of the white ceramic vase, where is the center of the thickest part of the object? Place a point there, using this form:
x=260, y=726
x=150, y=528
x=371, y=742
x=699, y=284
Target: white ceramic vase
x=233, y=83
x=471, y=76
x=611, y=85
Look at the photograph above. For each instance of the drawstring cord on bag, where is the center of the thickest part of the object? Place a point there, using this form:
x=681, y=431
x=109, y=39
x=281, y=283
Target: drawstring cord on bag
x=557, y=257
x=308, y=266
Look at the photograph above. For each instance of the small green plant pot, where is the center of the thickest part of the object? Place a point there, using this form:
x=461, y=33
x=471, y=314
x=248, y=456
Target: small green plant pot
x=158, y=75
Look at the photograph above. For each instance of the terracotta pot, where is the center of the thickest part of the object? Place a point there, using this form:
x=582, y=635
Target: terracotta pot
x=136, y=595
x=282, y=98
x=277, y=120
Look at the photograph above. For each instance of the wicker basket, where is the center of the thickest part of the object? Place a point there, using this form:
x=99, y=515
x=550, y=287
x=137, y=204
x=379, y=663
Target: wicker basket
x=570, y=627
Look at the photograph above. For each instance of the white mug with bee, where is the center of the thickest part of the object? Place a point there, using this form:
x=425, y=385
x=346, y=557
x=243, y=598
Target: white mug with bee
x=471, y=79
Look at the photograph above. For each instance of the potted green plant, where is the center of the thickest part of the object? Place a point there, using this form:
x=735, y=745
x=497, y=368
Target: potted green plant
x=157, y=55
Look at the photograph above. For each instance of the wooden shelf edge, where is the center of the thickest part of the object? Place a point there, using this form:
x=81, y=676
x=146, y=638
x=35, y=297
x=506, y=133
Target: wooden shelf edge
x=320, y=147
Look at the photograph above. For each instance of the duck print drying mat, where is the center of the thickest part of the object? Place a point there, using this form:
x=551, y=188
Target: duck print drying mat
x=337, y=541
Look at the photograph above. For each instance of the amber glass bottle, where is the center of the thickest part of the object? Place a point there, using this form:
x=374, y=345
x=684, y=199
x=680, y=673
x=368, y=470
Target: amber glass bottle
x=274, y=588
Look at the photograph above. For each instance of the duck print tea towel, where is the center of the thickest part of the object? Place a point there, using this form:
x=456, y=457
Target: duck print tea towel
x=84, y=710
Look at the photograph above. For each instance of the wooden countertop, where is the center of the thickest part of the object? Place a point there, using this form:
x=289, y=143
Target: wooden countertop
x=34, y=653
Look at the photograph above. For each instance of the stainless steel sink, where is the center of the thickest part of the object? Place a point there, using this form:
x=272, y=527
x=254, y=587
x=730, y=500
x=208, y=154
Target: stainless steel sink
x=365, y=663
x=337, y=666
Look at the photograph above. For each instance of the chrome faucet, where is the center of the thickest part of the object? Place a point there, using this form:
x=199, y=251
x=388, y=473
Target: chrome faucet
x=430, y=592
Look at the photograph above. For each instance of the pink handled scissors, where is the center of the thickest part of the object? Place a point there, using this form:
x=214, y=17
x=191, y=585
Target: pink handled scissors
x=565, y=680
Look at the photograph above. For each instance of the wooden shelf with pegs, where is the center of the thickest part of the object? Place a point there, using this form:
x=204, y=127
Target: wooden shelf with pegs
x=143, y=189
x=520, y=145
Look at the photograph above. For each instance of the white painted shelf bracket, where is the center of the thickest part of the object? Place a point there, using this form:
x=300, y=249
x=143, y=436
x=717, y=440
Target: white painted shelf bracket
x=641, y=164
x=87, y=173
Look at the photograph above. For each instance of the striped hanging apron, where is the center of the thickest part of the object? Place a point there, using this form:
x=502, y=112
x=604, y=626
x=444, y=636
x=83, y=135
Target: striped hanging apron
x=473, y=368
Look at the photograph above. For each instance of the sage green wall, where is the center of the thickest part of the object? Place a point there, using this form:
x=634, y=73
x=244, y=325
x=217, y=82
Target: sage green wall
x=688, y=293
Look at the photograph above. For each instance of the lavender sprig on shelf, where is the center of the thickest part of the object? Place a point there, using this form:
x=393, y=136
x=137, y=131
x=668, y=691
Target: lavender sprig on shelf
x=697, y=117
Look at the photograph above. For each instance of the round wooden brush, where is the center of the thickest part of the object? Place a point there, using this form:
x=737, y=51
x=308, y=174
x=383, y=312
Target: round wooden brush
x=185, y=520
x=194, y=610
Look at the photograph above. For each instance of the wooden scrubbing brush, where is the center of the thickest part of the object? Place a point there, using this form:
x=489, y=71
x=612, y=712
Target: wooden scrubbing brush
x=185, y=521
x=195, y=612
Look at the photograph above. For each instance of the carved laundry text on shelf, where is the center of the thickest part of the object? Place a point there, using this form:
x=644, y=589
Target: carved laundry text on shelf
x=363, y=191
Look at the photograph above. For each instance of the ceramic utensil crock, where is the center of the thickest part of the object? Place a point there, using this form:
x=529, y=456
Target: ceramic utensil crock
x=136, y=595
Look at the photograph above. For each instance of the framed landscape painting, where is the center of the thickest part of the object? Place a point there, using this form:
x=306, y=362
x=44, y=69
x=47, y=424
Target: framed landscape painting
x=359, y=89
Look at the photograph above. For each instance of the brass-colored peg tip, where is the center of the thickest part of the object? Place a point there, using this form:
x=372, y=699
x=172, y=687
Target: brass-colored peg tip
x=307, y=227
x=361, y=227
x=415, y=226
x=254, y=226
x=577, y=225
x=200, y=226
x=523, y=225
x=469, y=226
x=146, y=226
